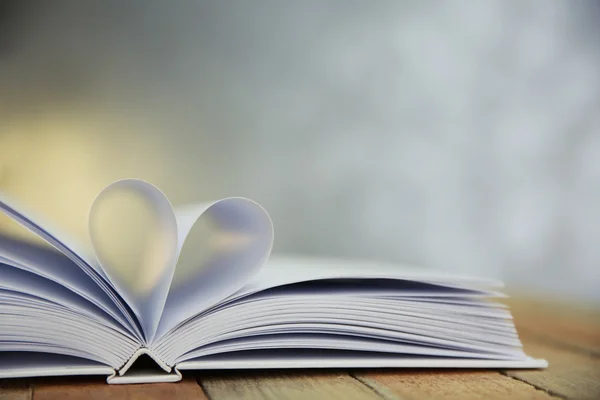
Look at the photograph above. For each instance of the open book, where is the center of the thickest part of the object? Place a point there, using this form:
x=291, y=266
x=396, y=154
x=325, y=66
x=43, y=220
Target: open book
x=71, y=310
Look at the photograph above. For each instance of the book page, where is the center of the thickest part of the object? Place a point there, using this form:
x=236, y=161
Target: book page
x=39, y=315
x=27, y=364
x=79, y=254
x=58, y=268
x=71, y=248
x=133, y=232
x=222, y=245
x=21, y=281
x=285, y=270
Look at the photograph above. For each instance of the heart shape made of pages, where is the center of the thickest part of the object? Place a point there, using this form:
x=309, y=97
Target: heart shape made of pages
x=170, y=264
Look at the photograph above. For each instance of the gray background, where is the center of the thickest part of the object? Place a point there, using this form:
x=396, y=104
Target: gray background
x=458, y=135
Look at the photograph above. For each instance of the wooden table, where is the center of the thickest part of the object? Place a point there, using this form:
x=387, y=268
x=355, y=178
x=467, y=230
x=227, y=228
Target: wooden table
x=568, y=337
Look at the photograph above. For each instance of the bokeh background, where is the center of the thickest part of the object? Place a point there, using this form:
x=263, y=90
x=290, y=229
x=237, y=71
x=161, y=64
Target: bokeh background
x=457, y=135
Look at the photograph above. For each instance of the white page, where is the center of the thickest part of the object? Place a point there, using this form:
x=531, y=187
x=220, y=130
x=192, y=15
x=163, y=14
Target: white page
x=79, y=326
x=374, y=288
x=42, y=306
x=345, y=326
x=457, y=301
x=70, y=247
x=25, y=329
x=18, y=280
x=312, y=278
x=79, y=254
x=396, y=314
x=282, y=270
x=28, y=322
x=80, y=348
x=489, y=320
x=155, y=268
x=394, y=319
x=286, y=270
x=287, y=279
x=24, y=347
x=26, y=364
x=60, y=269
x=499, y=322
x=334, y=342
x=282, y=300
x=400, y=323
x=293, y=310
x=358, y=332
x=241, y=242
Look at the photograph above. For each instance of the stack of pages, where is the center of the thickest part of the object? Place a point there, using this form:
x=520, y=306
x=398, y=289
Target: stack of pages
x=66, y=309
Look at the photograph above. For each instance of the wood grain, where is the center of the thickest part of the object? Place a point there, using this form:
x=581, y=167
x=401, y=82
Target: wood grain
x=292, y=386
x=457, y=385
x=15, y=390
x=558, y=324
x=99, y=390
x=570, y=374
x=569, y=338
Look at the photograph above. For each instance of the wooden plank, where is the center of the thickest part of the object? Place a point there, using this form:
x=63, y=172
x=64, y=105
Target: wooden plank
x=93, y=389
x=448, y=384
x=570, y=374
x=16, y=389
x=289, y=385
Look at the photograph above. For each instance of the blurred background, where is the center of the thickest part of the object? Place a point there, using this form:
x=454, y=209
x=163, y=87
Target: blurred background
x=457, y=135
